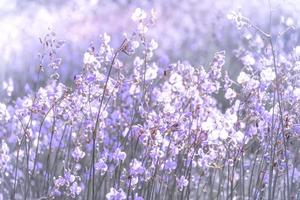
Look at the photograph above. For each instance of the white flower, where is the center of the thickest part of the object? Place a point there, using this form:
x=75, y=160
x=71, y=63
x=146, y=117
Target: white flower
x=248, y=60
x=134, y=89
x=238, y=136
x=297, y=51
x=214, y=135
x=153, y=15
x=243, y=78
x=142, y=28
x=135, y=44
x=105, y=38
x=138, y=62
x=153, y=45
x=151, y=72
x=267, y=74
x=230, y=94
x=168, y=108
x=237, y=18
x=208, y=125
x=175, y=77
x=297, y=66
x=296, y=93
x=252, y=84
x=8, y=86
x=223, y=134
x=89, y=58
x=289, y=22
x=138, y=15
x=4, y=114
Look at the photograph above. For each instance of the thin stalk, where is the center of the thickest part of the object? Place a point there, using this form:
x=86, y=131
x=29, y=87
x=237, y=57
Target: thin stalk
x=92, y=167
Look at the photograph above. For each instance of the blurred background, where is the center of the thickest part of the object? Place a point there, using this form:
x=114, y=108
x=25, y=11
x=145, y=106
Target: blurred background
x=190, y=31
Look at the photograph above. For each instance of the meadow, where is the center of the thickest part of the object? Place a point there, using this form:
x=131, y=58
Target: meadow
x=150, y=100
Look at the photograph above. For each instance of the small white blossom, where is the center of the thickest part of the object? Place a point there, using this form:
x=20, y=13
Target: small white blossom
x=296, y=93
x=230, y=94
x=289, y=22
x=297, y=51
x=248, y=60
x=267, y=74
x=153, y=45
x=142, y=28
x=89, y=58
x=151, y=72
x=223, y=134
x=135, y=44
x=105, y=38
x=8, y=86
x=238, y=136
x=138, y=15
x=243, y=78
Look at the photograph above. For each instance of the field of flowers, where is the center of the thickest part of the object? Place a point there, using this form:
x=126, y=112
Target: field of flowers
x=150, y=100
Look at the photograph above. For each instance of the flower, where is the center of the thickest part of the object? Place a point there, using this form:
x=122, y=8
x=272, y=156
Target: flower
x=296, y=128
x=78, y=154
x=243, y=78
x=115, y=194
x=182, y=182
x=138, y=15
x=237, y=18
x=297, y=51
x=142, y=28
x=8, y=87
x=60, y=181
x=137, y=197
x=69, y=177
x=230, y=94
x=248, y=60
x=4, y=114
x=296, y=93
x=105, y=38
x=238, y=136
x=170, y=165
x=75, y=189
x=119, y=155
x=153, y=45
x=136, y=167
x=101, y=166
x=151, y=72
x=89, y=58
x=267, y=74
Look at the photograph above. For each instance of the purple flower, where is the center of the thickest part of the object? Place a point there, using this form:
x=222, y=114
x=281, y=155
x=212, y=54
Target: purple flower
x=75, y=189
x=119, y=155
x=296, y=128
x=60, y=181
x=136, y=167
x=137, y=197
x=78, y=154
x=115, y=194
x=101, y=166
x=170, y=165
x=182, y=182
